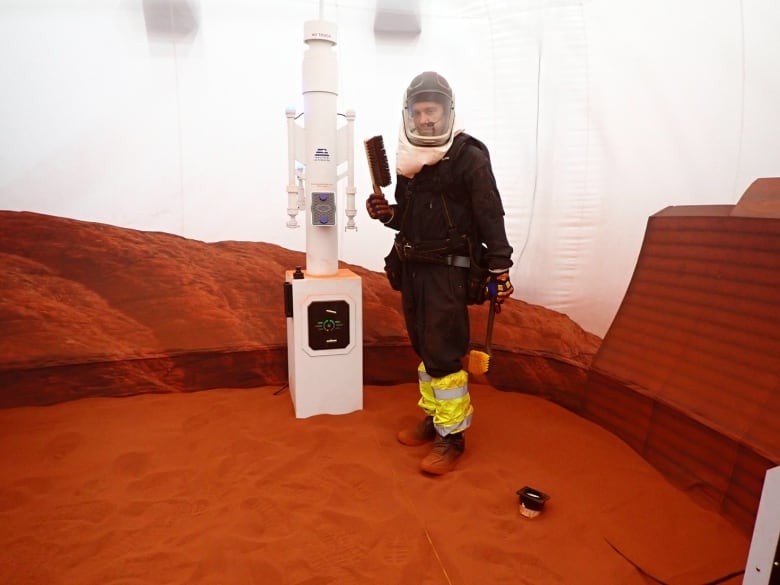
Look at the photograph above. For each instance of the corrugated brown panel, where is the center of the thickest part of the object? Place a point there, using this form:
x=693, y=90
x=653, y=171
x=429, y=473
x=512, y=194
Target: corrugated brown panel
x=698, y=333
x=722, y=473
x=698, y=327
x=619, y=409
x=745, y=486
x=691, y=453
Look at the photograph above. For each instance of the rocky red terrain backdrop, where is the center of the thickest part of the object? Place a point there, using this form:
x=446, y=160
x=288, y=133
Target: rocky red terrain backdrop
x=89, y=309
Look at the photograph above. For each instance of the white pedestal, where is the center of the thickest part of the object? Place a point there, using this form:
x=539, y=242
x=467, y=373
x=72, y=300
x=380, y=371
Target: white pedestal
x=325, y=342
x=763, y=556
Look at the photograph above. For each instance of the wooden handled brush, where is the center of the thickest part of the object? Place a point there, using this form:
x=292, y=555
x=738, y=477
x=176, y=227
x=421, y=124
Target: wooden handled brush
x=377, y=163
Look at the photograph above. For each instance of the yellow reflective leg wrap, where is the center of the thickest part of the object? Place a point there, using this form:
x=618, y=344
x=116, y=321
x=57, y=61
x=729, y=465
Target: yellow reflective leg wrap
x=452, y=402
x=427, y=400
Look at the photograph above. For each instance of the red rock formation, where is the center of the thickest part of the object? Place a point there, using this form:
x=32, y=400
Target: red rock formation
x=89, y=309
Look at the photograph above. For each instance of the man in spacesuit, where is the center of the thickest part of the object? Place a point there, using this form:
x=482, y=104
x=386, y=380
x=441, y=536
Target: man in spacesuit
x=451, y=245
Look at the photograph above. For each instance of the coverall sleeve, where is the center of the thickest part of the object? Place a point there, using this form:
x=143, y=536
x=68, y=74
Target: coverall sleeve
x=488, y=211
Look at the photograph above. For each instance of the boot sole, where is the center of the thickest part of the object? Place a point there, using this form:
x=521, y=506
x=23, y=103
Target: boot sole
x=413, y=442
x=436, y=470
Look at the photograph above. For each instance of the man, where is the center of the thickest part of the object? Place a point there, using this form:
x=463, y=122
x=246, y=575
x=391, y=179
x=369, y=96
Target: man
x=449, y=218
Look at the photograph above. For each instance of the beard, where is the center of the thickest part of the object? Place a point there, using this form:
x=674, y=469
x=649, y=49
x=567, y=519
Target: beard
x=428, y=129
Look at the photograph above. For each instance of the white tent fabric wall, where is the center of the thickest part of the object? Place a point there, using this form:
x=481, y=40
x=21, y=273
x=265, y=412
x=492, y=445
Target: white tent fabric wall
x=640, y=107
x=597, y=114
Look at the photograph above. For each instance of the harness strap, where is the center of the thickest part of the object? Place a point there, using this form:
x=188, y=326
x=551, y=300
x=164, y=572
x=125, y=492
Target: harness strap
x=430, y=254
x=455, y=250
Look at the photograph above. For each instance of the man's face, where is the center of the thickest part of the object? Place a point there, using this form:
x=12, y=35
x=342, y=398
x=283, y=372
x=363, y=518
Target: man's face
x=428, y=118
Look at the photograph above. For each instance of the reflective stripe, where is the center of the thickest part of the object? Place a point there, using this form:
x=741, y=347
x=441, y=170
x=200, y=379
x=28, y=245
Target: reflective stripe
x=452, y=386
x=422, y=374
x=457, y=427
x=427, y=400
x=452, y=403
x=450, y=393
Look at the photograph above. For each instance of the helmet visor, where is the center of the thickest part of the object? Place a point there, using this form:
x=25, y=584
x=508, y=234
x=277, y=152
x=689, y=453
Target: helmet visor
x=428, y=119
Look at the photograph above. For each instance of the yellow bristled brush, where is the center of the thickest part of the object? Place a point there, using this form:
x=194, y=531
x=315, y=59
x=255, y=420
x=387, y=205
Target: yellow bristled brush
x=479, y=361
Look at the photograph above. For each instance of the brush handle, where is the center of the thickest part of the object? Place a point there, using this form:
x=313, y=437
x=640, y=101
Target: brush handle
x=491, y=320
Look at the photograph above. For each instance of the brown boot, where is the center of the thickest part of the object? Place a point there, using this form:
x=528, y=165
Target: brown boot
x=445, y=454
x=423, y=432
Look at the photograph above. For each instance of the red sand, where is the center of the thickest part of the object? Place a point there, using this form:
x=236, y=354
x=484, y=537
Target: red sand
x=227, y=487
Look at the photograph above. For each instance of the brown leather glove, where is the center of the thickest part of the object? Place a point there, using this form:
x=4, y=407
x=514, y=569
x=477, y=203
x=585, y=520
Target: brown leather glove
x=378, y=207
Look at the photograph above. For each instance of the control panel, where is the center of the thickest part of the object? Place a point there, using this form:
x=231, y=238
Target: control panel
x=328, y=325
x=323, y=208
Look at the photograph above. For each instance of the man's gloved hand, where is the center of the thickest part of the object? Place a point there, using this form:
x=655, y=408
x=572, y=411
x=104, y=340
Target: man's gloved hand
x=378, y=207
x=499, y=287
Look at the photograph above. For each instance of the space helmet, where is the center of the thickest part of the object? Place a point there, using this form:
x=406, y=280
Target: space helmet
x=424, y=122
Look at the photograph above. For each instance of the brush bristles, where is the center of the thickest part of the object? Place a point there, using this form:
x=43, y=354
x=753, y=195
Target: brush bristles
x=377, y=161
x=478, y=363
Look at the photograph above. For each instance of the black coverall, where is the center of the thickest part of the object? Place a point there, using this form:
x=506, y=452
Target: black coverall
x=459, y=191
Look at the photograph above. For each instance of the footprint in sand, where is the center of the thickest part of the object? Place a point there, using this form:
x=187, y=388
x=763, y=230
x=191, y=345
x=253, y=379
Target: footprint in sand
x=94, y=511
x=11, y=499
x=20, y=492
x=35, y=485
x=132, y=463
x=198, y=421
x=63, y=445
